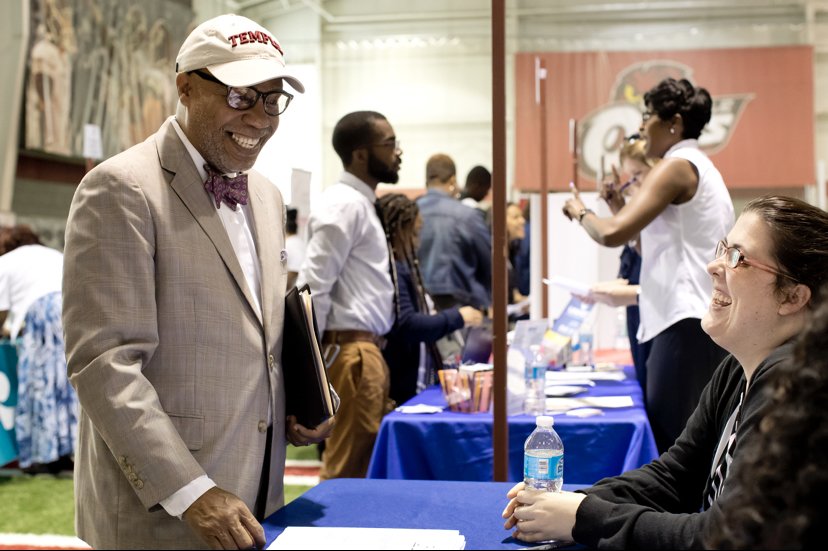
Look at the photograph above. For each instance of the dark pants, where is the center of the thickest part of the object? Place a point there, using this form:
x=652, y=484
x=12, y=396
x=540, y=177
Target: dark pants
x=681, y=362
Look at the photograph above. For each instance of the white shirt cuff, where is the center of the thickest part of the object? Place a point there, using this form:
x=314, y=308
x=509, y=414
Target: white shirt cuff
x=181, y=500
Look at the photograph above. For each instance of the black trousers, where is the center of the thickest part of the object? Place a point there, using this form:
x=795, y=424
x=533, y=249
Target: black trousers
x=681, y=362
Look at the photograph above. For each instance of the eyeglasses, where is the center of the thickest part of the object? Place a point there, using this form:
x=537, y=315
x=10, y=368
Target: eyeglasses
x=734, y=257
x=389, y=143
x=245, y=97
x=646, y=115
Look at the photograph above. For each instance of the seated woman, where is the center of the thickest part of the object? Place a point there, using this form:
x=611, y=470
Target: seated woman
x=776, y=499
x=765, y=276
x=410, y=352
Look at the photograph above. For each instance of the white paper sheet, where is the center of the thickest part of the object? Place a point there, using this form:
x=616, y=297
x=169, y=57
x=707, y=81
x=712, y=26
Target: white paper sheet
x=572, y=285
x=318, y=537
x=560, y=405
x=420, y=408
x=566, y=377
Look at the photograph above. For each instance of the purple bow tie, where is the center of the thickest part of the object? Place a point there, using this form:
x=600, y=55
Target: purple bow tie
x=232, y=191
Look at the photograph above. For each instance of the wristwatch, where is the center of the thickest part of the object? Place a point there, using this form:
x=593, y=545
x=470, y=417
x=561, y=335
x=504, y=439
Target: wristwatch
x=583, y=212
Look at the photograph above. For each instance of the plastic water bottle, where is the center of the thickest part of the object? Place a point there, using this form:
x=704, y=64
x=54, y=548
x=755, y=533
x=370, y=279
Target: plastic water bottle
x=534, y=402
x=543, y=457
x=582, y=353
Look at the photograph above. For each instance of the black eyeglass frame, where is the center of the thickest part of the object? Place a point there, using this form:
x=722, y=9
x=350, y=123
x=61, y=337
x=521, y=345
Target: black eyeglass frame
x=241, y=94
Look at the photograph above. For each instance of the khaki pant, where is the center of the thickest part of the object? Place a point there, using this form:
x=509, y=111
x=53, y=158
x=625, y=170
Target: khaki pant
x=360, y=376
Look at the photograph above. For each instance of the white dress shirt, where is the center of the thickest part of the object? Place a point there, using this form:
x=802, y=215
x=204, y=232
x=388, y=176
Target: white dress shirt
x=346, y=262
x=237, y=223
x=27, y=273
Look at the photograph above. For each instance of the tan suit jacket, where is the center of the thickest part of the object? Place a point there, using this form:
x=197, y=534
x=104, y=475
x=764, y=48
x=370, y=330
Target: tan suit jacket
x=173, y=367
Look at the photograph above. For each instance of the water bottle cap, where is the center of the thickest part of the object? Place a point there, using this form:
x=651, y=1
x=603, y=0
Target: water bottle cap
x=545, y=421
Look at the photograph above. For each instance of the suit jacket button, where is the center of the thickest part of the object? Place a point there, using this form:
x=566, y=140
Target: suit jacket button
x=139, y=483
x=271, y=361
x=262, y=426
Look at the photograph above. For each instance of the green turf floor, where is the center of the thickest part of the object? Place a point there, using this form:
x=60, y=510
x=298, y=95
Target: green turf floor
x=43, y=504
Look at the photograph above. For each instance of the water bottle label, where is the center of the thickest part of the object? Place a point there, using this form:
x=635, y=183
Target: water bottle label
x=535, y=372
x=543, y=468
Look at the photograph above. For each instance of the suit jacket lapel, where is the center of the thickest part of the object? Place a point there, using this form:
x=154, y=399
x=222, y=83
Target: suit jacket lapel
x=266, y=222
x=188, y=186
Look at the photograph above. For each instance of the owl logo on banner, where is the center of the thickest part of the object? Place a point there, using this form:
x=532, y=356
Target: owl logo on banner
x=602, y=131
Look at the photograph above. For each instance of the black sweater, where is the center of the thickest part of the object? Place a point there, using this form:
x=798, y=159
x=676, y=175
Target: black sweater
x=659, y=506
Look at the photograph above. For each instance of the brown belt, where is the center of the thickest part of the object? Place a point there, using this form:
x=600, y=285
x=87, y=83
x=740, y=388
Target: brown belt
x=350, y=335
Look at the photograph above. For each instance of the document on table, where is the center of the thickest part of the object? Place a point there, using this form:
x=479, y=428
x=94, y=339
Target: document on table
x=560, y=405
x=567, y=377
x=323, y=537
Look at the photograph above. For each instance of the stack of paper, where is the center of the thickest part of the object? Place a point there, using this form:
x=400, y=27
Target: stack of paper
x=560, y=405
x=313, y=537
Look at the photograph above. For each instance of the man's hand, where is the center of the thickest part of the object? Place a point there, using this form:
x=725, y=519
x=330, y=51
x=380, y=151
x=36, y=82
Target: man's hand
x=299, y=435
x=223, y=521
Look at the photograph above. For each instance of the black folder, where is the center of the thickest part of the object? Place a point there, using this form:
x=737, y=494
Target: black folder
x=307, y=392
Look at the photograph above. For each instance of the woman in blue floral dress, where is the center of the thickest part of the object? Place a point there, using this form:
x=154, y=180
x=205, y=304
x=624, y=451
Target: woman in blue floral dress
x=30, y=307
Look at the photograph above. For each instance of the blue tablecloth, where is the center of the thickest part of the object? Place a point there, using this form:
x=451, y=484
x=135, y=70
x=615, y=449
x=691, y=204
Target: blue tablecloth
x=473, y=508
x=458, y=446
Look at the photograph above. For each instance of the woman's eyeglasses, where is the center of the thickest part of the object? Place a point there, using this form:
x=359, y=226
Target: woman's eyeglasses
x=734, y=257
x=243, y=98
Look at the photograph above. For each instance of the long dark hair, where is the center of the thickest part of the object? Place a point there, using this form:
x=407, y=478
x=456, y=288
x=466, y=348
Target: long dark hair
x=399, y=216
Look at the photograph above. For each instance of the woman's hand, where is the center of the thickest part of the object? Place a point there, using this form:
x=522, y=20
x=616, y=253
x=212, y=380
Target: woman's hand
x=539, y=515
x=610, y=193
x=574, y=206
x=472, y=317
x=617, y=292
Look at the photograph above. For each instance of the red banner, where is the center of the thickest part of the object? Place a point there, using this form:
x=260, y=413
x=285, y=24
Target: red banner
x=761, y=134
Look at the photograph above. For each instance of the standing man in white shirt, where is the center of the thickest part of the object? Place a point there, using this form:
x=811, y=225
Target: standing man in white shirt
x=348, y=270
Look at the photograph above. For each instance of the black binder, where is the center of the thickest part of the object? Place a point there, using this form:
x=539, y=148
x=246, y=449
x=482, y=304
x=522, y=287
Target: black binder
x=307, y=392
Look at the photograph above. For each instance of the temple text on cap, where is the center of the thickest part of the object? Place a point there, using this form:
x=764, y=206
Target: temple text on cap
x=254, y=36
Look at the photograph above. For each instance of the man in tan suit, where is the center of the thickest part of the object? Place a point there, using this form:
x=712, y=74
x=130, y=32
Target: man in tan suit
x=174, y=283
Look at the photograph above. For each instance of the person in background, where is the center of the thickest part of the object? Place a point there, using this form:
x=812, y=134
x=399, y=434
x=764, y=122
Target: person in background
x=173, y=307
x=476, y=191
x=348, y=268
x=776, y=499
x=294, y=247
x=765, y=275
x=523, y=257
x=635, y=165
x=681, y=209
x=456, y=249
x=46, y=416
x=515, y=232
x=410, y=352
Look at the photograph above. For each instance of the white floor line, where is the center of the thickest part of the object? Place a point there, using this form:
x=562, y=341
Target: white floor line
x=46, y=541
x=299, y=480
x=303, y=463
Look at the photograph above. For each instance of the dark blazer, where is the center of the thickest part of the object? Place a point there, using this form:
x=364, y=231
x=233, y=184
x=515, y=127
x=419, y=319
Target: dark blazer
x=402, y=351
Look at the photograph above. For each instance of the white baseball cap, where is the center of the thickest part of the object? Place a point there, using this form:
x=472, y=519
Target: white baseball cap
x=236, y=50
